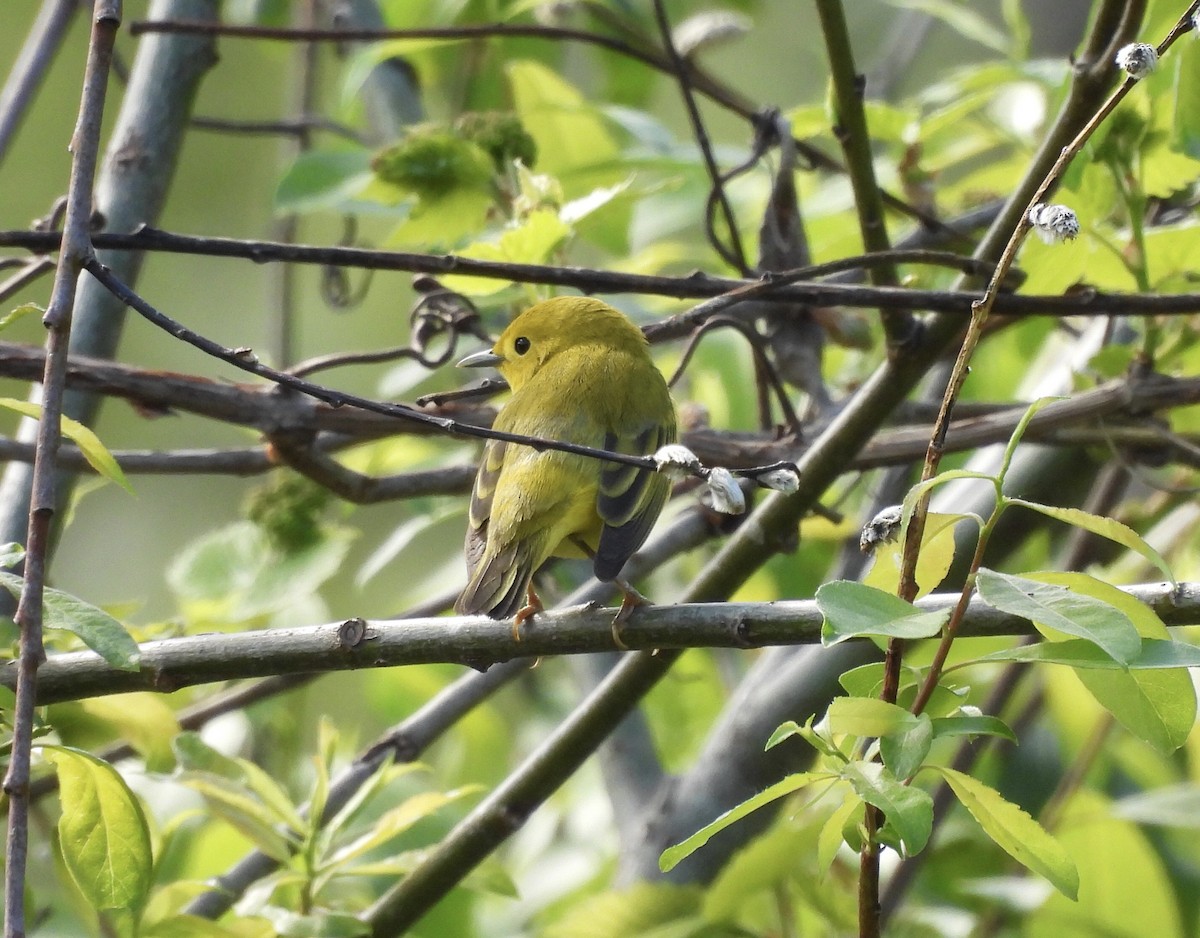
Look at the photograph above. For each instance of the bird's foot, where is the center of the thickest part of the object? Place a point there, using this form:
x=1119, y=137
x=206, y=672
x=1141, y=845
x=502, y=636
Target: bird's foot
x=630, y=600
x=531, y=608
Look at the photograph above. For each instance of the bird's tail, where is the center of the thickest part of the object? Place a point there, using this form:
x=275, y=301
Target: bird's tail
x=499, y=584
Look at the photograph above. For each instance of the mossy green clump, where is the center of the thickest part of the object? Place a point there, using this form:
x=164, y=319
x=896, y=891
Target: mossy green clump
x=289, y=510
x=430, y=163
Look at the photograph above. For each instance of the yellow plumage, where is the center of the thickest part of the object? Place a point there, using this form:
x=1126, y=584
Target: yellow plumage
x=580, y=372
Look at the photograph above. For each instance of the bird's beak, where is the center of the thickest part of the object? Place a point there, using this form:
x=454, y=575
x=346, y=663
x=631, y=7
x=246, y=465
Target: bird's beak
x=484, y=359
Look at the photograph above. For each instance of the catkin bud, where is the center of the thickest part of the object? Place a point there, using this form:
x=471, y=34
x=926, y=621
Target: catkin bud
x=882, y=529
x=724, y=493
x=1054, y=222
x=781, y=480
x=1138, y=59
x=677, y=462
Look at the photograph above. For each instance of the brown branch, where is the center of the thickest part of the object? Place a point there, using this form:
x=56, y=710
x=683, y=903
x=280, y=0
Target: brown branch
x=1069, y=422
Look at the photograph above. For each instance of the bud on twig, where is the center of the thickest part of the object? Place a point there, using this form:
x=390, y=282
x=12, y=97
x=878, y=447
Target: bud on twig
x=1054, y=222
x=1138, y=59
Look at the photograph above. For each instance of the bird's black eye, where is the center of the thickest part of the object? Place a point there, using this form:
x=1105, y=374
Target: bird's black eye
x=521, y=345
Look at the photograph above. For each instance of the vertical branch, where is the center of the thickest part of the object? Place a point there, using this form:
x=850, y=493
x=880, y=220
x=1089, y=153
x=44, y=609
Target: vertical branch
x=76, y=249
x=141, y=156
x=735, y=255
x=851, y=131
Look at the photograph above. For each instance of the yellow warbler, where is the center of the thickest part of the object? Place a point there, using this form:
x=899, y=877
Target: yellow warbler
x=580, y=372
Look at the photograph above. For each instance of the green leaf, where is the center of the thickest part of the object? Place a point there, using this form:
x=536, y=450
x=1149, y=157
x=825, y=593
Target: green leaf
x=933, y=562
x=1019, y=432
x=396, y=821
x=19, y=313
x=831, y=838
x=103, y=834
x=235, y=804
x=904, y=753
x=642, y=910
x=1105, y=527
x=146, y=720
x=1015, y=832
x=233, y=573
x=1155, y=655
x=852, y=610
x=817, y=737
x=11, y=554
x=95, y=452
x=1186, y=127
x=866, y=716
x=969, y=725
x=1156, y=700
x=1050, y=606
x=672, y=856
x=281, y=579
x=1125, y=887
x=908, y=809
x=942, y=478
x=766, y=862
x=968, y=23
x=96, y=628
x=569, y=132
x=201, y=760
x=323, y=179
x=532, y=241
x=187, y=926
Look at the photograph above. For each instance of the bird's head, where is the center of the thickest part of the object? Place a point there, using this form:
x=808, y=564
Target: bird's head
x=544, y=330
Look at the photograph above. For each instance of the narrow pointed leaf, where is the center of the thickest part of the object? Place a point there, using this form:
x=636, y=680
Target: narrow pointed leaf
x=672, y=856
x=1105, y=527
x=1015, y=832
x=95, y=452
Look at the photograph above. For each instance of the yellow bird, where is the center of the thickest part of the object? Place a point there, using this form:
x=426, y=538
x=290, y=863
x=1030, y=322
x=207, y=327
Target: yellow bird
x=580, y=372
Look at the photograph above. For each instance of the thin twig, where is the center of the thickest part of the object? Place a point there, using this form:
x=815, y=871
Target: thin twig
x=979, y=315
x=733, y=254
x=776, y=287
x=76, y=248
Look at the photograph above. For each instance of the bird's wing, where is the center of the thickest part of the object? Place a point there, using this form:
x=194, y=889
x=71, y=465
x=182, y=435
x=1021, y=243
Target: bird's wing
x=630, y=499
x=482, y=494
x=496, y=584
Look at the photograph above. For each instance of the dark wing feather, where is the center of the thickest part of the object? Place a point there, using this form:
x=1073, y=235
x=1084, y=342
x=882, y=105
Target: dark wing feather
x=630, y=499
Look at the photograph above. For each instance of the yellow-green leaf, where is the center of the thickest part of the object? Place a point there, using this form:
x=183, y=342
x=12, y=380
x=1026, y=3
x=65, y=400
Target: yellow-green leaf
x=103, y=834
x=1159, y=705
x=1105, y=527
x=95, y=452
x=1015, y=832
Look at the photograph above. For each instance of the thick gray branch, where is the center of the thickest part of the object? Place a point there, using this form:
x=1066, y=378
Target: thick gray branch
x=172, y=663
